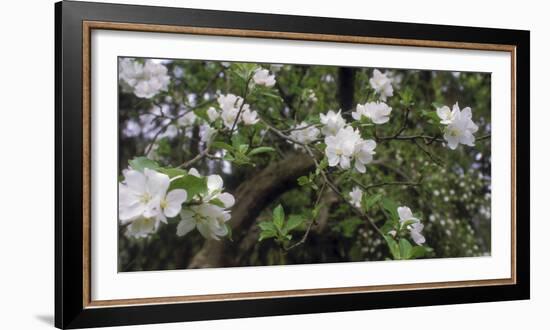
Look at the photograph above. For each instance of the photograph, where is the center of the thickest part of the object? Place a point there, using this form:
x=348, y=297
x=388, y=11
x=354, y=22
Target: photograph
x=236, y=164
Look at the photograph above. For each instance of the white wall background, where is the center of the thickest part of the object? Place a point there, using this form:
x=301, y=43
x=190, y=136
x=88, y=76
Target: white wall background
x=27, y=155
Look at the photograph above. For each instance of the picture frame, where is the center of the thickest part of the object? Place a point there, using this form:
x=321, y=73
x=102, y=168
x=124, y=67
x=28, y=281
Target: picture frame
x=74, y=24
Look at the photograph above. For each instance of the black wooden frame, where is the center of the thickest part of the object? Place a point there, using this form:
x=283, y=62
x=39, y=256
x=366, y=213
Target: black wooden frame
x=69, y=308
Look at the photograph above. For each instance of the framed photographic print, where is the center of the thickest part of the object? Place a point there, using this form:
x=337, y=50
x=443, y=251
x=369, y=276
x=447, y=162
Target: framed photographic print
x=218, y=164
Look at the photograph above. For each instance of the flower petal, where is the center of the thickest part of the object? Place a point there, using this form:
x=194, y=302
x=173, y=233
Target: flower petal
x=360, y=167
x=345, y=162
x=214, y=182
x=174, y=199
x=193, y=171
x=185, y=226
x=134, y=180
x=405, y=213
x=157, y=183
x=204, y=229
x=227, y=199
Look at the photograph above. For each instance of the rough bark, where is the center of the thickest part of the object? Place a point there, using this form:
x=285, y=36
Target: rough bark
x=252, y=196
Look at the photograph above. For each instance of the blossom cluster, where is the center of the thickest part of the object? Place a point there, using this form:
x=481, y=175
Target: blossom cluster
x=210, y=211
x=412, y=224
x=304, y=133
x=145, y=79
x=382, y=84
x=233, y=111
x=344, y=145
x=407, y=221
x=262, y=77
x=145, y=202
x=377, y=112
x=459, y=128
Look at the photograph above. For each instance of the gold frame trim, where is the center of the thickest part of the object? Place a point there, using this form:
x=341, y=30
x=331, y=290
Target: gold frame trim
x=88, y=26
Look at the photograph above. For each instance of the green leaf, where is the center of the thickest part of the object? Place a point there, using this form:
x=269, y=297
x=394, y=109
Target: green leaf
x=303, y=180
x=243, y=148
x=437, y=105
x=388, y=226
x=279, y=216
x=202, y=113
x=267, y=234
x=394, y=247
x=369, y=201
x=407, y=97
x=229, y=232
x=266, y=225
x=391, y=207
x=293, y=222
x=229, y=157
x=431, y=115
x=418, y=252
x=323, y=164
x=192, y=184
x=222, y=145
x=217, y=202
x=407, y=223
x=172, y=172
x=141, y=163
x=260, y=150
x=237, y=140
x=316, y=210
x=405, y=249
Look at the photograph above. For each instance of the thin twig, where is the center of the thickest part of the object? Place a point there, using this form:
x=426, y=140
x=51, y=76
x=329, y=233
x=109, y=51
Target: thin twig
x=245, y=94
x=392, y=183
x=429, y=154
x=308, y=229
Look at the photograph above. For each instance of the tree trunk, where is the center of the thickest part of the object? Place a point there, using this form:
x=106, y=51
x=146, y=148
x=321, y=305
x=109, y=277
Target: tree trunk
x=252, y=196
x=346, y=87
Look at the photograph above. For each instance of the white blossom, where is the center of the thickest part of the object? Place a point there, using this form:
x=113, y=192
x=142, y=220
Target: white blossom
x=229, y=101
x=445, y=114
x=178, y=72
x=382, y=84
x=215, y=188
x=210, y=216
x=363, y=154
x=188, y=119
x=262, y=77
x=229, y=116
x=405, y=214
x=145, y=195
x=415, y=228
x=304, y=133
x=230, y=105
x=355, y=196
x=209, y=220
x=332, y=122
x=460, y=128
x=340, y=147
x=144, y=80
x=206, y=134
x=347, y=146
x=213, y=114
x=377, y=112
x=142, y=227
x=249, y=117
x=416, y=233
